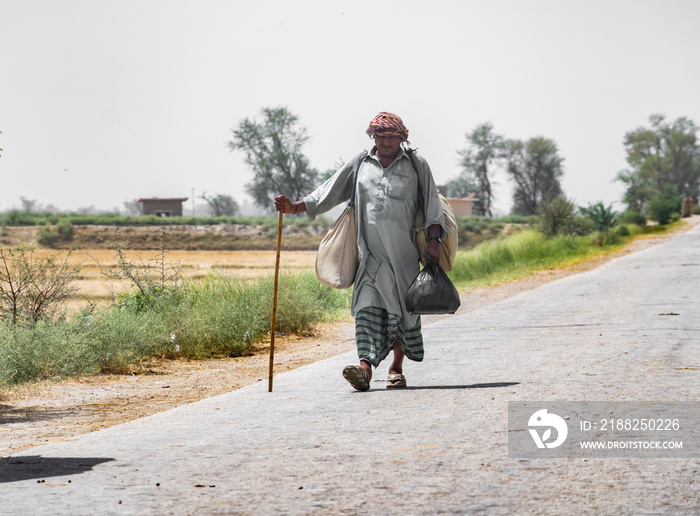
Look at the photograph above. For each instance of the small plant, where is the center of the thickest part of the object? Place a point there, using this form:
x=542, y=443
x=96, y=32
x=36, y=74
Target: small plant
x=32, y=288
x=603, y=218
x=154, y=278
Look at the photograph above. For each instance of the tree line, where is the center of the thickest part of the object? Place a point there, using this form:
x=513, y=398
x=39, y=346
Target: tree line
x=663, y=165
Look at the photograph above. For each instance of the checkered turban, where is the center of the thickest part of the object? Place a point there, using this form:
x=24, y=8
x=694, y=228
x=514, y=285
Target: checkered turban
x=387, y=124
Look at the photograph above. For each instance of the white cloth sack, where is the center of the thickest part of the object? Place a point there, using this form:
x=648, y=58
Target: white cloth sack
x=337, y=260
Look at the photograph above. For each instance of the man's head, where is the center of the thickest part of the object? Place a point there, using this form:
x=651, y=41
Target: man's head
x=387, y=124
x=388, y=132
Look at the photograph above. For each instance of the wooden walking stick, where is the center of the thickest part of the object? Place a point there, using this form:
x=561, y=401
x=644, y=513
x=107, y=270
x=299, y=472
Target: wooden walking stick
x=274, y=303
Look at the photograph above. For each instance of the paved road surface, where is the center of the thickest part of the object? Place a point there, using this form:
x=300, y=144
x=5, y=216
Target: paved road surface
x=314, y=446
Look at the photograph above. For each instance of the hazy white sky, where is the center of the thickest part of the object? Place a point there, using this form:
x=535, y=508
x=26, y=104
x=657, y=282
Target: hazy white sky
x=105, y=101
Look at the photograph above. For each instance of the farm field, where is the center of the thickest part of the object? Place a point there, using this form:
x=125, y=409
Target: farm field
x=95, y=287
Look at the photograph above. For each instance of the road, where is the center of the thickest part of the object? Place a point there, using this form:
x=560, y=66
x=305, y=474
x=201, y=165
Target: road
x=628, y=330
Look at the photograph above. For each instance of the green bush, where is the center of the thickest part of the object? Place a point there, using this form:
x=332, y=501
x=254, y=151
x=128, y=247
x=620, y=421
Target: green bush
x=224, y=315
x=603, y=238
x=119, y=339
x=602, y=217
x=519, y=219
x=664, y=209
x=43, y=350
x=65, y=229
x=632, y=217
x=622, y=230
x=556, y=217
x=46, y=236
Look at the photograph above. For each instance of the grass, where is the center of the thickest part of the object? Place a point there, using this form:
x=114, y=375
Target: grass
x=212, y=317
x=517, y=255
x=521, y=254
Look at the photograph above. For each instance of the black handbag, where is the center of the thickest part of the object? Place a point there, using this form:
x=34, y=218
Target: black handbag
x=432, y=292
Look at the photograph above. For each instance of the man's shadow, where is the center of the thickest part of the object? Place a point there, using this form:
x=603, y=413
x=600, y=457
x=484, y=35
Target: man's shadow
x=15, y=469
x=438, y=387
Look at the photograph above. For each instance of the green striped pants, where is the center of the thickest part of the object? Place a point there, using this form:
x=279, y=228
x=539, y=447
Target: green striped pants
x=376, y=330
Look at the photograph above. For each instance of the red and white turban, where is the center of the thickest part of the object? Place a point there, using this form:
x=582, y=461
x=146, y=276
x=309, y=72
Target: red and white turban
x=387, y=124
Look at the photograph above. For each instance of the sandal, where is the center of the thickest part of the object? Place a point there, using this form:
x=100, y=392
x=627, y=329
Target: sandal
x=357, y=376
x=395, y=381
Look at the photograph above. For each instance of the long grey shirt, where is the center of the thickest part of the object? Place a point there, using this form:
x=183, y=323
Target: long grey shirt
x=386, y=201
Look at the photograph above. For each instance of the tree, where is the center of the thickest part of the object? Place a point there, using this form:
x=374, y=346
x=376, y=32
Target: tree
x=272, y=149
x=661, y=158
x=536, y=168
x=28, y=205
x=325, y=176
x=221, y=205
x=133, y=207
x=461, y=187
x=485, y=147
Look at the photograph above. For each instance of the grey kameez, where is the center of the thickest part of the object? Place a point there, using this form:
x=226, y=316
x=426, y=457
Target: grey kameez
x=386, y=201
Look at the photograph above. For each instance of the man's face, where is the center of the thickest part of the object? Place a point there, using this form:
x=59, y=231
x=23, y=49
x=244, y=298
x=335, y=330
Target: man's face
x=387, y=146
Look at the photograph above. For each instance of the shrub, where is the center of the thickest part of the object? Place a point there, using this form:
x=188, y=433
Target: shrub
x=603, y=238
x=42, y=350
x=46, y=237
x=34, y=288
x=622, y=230
x=632, y=217
x=519, y=219
x=155, y=279
x=603, y=218
x=556, y=217
x=65, y=229
x=224, y=315
x=664, y=209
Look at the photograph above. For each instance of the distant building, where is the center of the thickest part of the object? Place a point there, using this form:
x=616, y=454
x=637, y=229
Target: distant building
x=462, y=207
x=162, y=207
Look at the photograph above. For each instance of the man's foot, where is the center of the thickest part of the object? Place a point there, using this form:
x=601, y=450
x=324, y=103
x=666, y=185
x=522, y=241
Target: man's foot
x=395, y=381
x=357, y=376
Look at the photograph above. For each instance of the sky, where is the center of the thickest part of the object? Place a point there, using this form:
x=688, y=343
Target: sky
x=106, y=101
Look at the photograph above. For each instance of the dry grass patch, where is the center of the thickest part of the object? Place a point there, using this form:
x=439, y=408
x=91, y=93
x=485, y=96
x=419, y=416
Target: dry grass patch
x=94, y=287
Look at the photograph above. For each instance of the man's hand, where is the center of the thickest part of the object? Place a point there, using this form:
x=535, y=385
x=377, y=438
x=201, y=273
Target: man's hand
x=434, y=232
x=434, y=249
x=283, y=204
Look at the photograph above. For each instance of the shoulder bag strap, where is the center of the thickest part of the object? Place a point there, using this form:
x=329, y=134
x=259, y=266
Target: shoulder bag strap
x=409, y=153
x=354, y=181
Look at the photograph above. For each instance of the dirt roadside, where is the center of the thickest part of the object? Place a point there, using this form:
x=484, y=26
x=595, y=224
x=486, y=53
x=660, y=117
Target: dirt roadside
x=51, y=411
